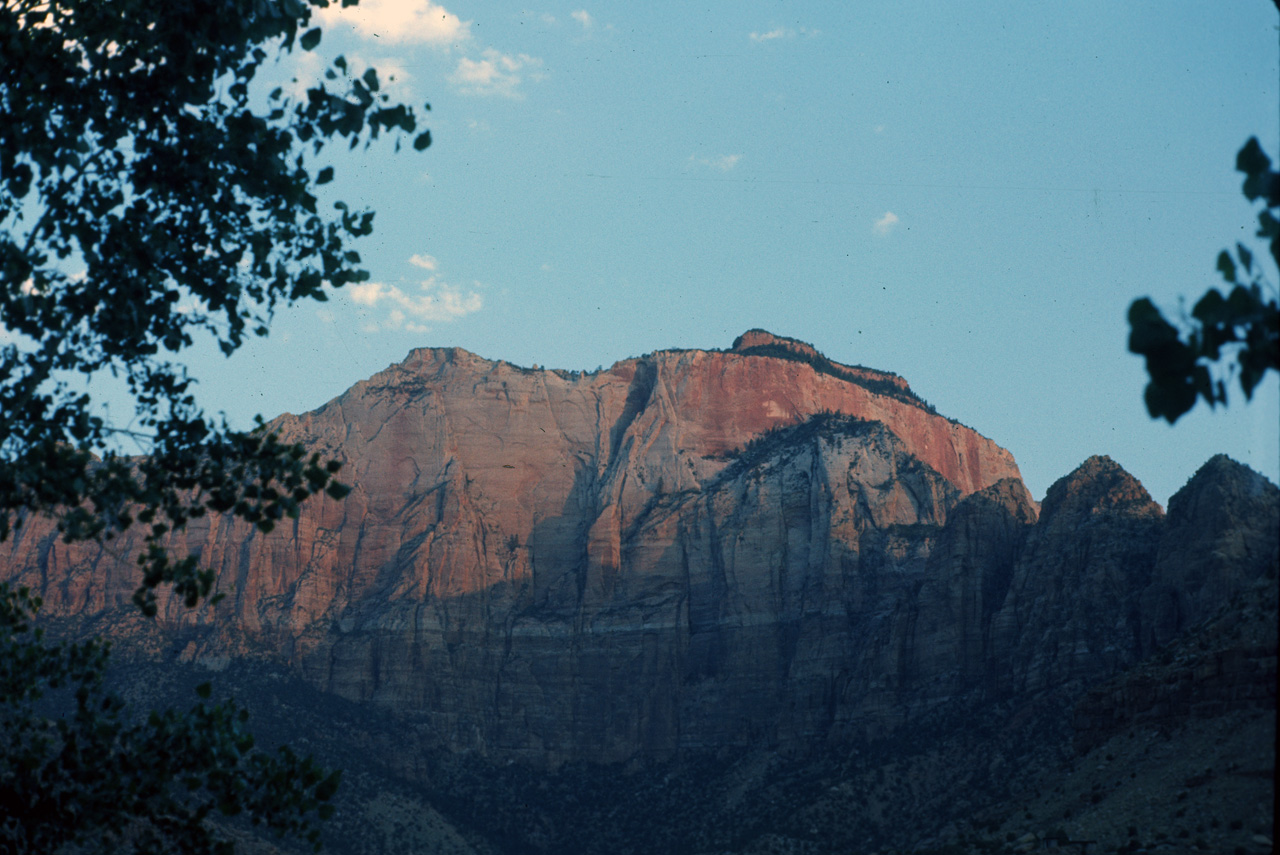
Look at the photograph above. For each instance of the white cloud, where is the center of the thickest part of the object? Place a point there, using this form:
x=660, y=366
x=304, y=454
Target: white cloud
x=419, y=21
x=438, y=302
x=426, y=262
x=781, y=33
x=776, y=33
x=582, y=17
x=724, y=162
x=885, y=224
x=496, y=74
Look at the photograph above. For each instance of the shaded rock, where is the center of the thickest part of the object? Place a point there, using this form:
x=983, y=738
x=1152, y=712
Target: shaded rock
x=967, y=583
x=1071, y=609
x=1222, y=537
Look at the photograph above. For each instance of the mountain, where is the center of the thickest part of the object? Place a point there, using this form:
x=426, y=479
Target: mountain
x=729, y=554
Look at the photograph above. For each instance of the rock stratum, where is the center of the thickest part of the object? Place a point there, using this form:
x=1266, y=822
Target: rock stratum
x=691, y=551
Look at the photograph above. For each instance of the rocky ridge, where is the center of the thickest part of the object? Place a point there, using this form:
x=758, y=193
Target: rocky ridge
x=689, y=552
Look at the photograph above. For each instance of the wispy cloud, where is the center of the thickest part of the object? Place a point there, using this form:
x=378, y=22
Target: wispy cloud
x=416, y=21
x=436, y=302
x=433, y=301
x=776, y=33
x=382, y=23
x=885, y=224
x=496, y=73
x=781, y=33
x=724, y=162
x=583, y=17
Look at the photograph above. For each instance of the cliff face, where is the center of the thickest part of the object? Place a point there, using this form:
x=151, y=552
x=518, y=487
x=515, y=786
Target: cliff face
x=494, y=470
x=1070, y=609
x=689, y=550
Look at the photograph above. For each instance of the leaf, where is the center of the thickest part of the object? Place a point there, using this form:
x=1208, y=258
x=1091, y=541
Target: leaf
x=310, y=39
x=1256, y=186
x=422, y=140
x=1203, y=384
x=1252, y=161
x=1226, y=266
x=1149, y=331
x=1242, y=304
x=325, y=175
x=1268, y=225
x=1246, y=257
x=1169, y=401
x=1210, y=307
x=20, y=180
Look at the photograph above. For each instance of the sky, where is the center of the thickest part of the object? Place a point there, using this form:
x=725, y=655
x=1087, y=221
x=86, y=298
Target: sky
x=969, y=195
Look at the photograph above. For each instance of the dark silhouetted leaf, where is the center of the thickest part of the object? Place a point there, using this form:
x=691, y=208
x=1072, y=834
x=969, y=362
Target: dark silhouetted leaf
x=1226, y=266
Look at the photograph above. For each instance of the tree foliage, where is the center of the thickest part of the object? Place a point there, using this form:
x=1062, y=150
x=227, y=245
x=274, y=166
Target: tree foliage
x=149, y=195
x=1245, y=321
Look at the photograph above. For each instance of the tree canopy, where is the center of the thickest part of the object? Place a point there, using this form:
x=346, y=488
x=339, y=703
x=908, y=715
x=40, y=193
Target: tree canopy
x=150, y=194
x=1245, y=321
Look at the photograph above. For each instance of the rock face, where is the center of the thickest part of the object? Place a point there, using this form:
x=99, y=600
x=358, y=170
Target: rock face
x=690, y=550
x=1069, y=611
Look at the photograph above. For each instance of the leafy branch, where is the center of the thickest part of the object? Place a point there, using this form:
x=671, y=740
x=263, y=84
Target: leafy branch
x=1244, y=322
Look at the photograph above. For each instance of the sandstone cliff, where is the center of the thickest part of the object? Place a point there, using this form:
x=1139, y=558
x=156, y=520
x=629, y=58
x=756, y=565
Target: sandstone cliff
x=691, y=550
x=502, y=469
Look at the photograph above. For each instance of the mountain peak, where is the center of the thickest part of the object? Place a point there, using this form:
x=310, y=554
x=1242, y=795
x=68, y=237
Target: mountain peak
x=757, y=337
x=1096, y=485
x=758, y=342
x=1223, y=487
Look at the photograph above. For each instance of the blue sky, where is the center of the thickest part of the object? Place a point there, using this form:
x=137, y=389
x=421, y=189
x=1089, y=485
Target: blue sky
x=969, y=195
